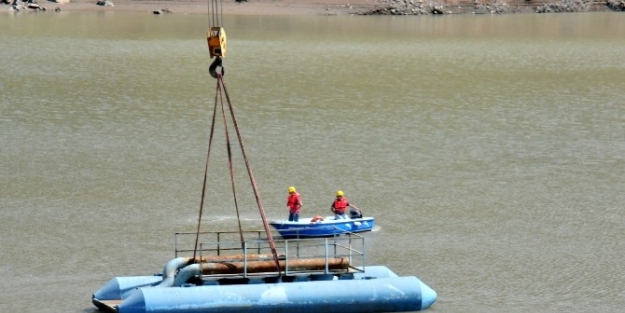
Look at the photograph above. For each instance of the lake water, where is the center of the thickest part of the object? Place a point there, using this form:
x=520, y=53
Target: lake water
x=490, y=149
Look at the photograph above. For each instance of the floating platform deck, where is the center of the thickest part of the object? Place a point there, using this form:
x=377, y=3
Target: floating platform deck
x=310, y=275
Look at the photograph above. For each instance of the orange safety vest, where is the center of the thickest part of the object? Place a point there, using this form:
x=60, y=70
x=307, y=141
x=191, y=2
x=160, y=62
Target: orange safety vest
x=339, y=205
x=293, y=202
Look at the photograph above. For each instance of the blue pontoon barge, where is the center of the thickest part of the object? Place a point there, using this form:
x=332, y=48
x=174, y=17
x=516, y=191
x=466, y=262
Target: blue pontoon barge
x=315, y=275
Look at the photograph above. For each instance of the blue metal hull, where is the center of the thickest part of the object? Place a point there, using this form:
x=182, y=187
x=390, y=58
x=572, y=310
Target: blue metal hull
x=326, y=228
x=347, y=296
x=378, y=289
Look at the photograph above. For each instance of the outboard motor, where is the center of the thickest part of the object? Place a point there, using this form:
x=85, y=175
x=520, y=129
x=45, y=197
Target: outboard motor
x=354, y=213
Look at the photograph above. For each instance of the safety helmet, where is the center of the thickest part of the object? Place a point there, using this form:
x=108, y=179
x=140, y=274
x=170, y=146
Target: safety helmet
x=291, y=189
x=339, y=193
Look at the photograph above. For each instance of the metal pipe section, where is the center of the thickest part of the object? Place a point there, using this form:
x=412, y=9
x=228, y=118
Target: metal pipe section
x=256, y=267
x=270, y=266
x=393, y=294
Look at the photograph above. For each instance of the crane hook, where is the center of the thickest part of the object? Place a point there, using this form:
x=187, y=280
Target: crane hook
x=217, y=43
x=213, y=68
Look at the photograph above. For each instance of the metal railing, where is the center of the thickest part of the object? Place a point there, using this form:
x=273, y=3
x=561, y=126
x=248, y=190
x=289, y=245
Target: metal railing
x=296, y=256
x=184, y=242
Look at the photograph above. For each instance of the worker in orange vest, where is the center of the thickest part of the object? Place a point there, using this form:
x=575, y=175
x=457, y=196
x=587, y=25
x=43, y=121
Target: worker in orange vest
x=294, y=203
x=339, y=206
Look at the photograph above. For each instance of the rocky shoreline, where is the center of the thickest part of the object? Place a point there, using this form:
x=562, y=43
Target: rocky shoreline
x=325, y=7
x=419, y=7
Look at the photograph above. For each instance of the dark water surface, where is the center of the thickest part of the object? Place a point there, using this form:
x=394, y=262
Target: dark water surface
x=490, y=149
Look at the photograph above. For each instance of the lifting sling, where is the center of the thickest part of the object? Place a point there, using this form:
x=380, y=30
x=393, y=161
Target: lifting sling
x=216, y=39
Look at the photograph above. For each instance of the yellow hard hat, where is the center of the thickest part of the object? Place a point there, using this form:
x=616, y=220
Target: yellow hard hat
x=339, y=193
x=291, y=189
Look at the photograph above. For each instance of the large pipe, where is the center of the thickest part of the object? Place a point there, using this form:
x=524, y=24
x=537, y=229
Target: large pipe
x=173, y=266
x=270, y=266
x=170, y=270
x=393, y=294
x=255, y=267
x=234, y=257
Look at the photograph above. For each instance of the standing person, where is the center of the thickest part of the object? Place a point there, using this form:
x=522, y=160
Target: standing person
x=339, y=205
x=294, y=203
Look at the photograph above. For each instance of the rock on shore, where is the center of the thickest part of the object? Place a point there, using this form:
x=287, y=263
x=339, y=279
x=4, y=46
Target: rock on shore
x=421, y=7
x=346, y=7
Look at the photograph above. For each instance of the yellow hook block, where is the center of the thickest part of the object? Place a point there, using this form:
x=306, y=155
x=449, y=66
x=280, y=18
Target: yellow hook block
x=216, y=38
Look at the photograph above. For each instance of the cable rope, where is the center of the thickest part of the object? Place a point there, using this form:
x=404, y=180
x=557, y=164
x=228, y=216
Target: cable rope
x=216, y=39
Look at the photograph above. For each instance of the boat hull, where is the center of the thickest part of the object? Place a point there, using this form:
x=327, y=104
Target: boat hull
x=392, y=294
x=329, y=227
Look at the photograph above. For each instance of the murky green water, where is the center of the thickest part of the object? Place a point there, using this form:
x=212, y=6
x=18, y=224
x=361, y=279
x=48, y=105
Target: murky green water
x=490, y=149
